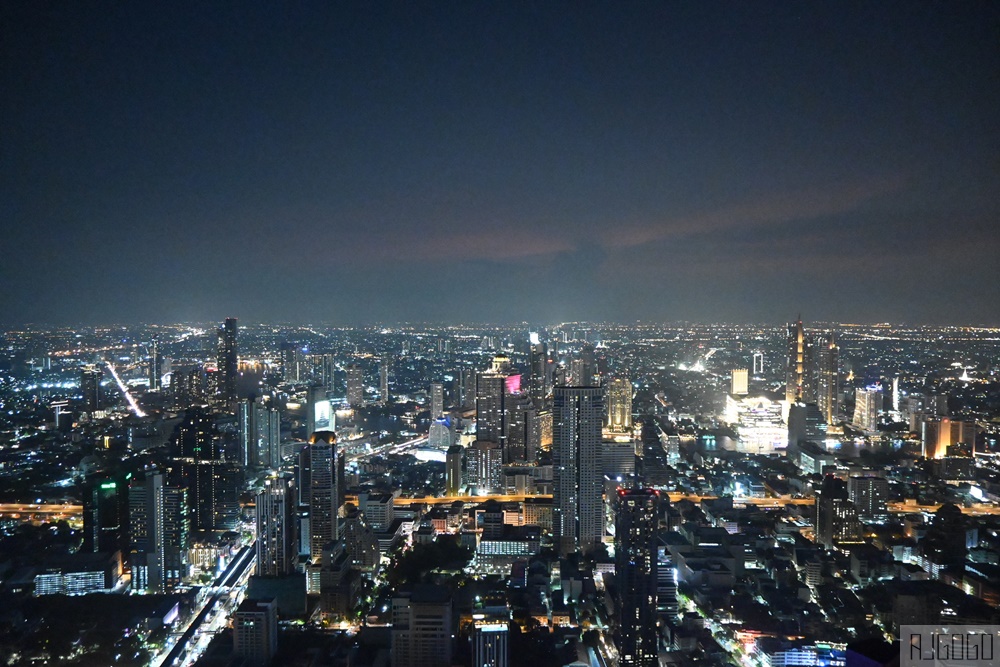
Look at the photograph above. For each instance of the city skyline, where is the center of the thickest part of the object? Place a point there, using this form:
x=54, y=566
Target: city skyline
x=605, y=163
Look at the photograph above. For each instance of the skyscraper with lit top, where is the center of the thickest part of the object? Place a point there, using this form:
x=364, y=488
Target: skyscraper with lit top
x=578, y=507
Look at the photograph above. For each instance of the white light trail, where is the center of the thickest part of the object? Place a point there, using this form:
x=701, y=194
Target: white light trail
x=128, y=397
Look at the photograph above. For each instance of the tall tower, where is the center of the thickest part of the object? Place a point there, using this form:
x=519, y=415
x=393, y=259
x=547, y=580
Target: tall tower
x=383, y=381
x=799, y=376
x=636, y=557
x=490, y=402
x=828, y=380
x=227, y=361
x=355, y=386
x=619, y=418
x=576, y=440
x=538, y=378
x=155, y=368
x=323, y=492
x=276, y=546
x=259, y=431
x=90, y=387
x=437, y=400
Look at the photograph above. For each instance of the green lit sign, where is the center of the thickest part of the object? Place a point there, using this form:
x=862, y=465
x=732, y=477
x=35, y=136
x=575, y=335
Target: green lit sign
x=108, y=485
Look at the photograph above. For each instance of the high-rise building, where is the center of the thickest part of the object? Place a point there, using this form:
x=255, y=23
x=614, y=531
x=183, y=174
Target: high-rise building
x=938, y=434
x=740, y=382
x=159, y=522
x=524, y=434
x=255, y=631
x=228, y=362
x=636, y=563
x=105, y=517
x=867, y=406
x=619, y=401
x=758, y=363
x=578, y=517
x=539, y=376
x=292, y=363
x=260, y=434
x=277, y=549
x=799, y=375
x=489, y=642
x=155, y=368
x=491, y=411
x=869, y=495
x=355, y=386
x=453, y=470
x=437, y=400
x=422, y=627
x=90, y=387
x=836, y=516
x=323, y=492
x=484, y=466
x=828, y=379
x=383, y=382
x=213, y=483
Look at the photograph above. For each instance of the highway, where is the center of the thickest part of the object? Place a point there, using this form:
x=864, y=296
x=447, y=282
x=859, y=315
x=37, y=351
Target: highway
x=221, y=590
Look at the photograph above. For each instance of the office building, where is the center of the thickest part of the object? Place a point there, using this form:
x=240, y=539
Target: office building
x=578, y=517
x=259, y=433
x=90, y=387
x=213, y=484
x=867, y=406
x=159, y=521
x=484, y=467
x=453, y=470
x=539, y=377
x=740, y=382
x=277, y=549
x=489, y=642
x=228, y=365
x=759, y=423
x=383, y=382
x=437, y=400
x=323, y=492
x=155, y=368
x=524, y=430
x=355, y=386
x=836, y=516
x=828, y=379
x=869, y=495
x=255, y=631
x=292, y=363
x=636, y=568
x=938, y=434
x=619, y=402
x=758, y=363
x=799, y=374
x=422, y=627
x=492, y=389
x=105, y=516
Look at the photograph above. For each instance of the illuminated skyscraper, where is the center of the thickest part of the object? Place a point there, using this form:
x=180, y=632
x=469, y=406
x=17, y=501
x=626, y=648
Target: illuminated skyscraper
x=105, y=516
x=291, y=363
x=155, y=369
x=259, y=432
x=323, y=492
x=489, y=643
x=90, y=387
x=619, y=400
x=255, y=632
x=493, y=389
x=578, y=517
x=355, y=386
x=636, y=542
x=453, y=469
x=740, y=383
x=836, y=516
x=484, y=466
x=437, y=400
x=799, y=377
x=538, y=379
x=160, y=528
x=276, y=545
x=867, y=405
x=383, y=382
x=228, y=362
x=828, y=379
x=758, y=363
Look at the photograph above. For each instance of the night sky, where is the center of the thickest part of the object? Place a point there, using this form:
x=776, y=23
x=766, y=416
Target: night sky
x=499, y=161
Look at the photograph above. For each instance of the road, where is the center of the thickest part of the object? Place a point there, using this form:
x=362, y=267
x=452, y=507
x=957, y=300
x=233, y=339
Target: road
x=222, y=589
